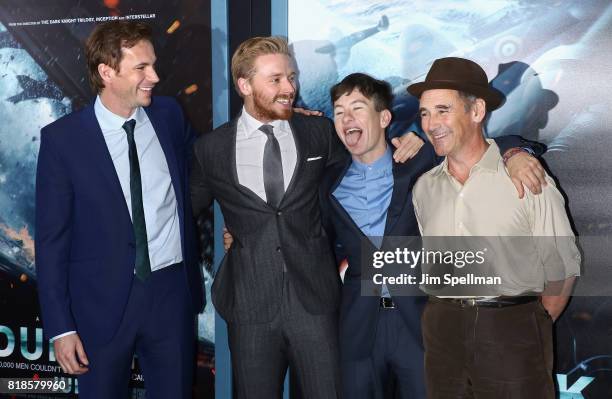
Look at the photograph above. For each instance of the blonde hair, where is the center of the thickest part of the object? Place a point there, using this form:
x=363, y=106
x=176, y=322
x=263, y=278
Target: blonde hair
x=244, y=57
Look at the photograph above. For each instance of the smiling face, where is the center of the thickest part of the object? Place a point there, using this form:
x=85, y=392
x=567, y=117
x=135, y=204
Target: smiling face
x=269, y=92
x=360, y=127
x=131, y=86
x=451, y=128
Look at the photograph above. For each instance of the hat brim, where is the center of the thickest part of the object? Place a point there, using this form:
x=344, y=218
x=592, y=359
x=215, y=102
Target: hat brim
x=492, y=97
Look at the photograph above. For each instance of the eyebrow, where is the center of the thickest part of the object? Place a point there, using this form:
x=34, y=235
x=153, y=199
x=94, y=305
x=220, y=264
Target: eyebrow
x=351, y=103
x=443, y=107
x=279, y=74
x=140, y=64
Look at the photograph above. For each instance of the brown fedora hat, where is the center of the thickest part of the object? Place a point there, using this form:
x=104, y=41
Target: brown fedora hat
x=459, y=74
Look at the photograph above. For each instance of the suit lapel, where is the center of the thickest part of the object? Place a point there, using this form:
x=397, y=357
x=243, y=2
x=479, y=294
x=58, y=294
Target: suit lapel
x=100, y=156
x=299, y=138
x=398, y=197
x=228, y=146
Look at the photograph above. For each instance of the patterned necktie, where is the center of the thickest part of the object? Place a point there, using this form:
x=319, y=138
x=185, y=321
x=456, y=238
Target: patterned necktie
x=143, y=264
x=274, y=183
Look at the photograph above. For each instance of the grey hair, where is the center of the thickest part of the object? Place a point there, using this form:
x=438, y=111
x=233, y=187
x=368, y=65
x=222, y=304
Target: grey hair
x=468, y=100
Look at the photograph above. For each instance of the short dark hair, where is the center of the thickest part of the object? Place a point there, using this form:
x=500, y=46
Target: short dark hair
x=104, y=46
x=378, y=91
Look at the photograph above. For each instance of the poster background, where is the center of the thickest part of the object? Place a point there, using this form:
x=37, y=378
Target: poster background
x=553, y=61
x=43, y=77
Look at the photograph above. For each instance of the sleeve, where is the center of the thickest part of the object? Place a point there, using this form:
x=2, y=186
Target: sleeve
x=53, y=221
x=328, y=225
x=62, y=335
x=337, y=152
x=201, y=195
x=435, y=158
x=507, y=142
x=554, y=238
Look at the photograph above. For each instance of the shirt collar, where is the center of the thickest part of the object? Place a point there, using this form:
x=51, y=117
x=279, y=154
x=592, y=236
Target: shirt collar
x=489, y=161
x=110, y=122
x=384, y=163
x=252, y=125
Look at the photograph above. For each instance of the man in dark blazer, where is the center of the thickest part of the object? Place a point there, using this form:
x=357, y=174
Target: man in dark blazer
x=278, y=287
x=366, y=199
x=115, y=252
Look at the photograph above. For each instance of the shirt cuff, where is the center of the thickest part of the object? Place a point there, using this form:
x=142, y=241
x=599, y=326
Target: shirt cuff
x=62, y=335
x=529, y=150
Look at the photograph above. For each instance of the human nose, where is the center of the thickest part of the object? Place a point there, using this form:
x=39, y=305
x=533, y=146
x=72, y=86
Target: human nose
x=152, y=75
x=289, y=86
x=347, y=116
x=430, y=123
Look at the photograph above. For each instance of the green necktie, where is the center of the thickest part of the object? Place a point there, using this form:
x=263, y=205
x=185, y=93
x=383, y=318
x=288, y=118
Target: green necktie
x=143, y=264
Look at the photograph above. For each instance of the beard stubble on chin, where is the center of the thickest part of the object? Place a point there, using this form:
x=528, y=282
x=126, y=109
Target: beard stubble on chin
x=263, y=108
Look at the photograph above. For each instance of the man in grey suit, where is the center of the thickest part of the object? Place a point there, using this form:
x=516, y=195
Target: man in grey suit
x=278, y=287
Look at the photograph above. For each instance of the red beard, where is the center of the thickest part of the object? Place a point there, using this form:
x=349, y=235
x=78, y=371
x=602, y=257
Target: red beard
x=264, y=111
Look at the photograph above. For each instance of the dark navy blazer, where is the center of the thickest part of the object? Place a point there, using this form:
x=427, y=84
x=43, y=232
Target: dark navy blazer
x=84, y=237
x=359, y=310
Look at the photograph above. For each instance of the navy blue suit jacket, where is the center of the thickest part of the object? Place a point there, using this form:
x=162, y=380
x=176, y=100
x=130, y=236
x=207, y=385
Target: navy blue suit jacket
x=358, y=311
x=84, y=236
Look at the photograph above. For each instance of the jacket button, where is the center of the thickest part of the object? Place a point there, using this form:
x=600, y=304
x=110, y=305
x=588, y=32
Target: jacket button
x=279, y=213
x=278, y=249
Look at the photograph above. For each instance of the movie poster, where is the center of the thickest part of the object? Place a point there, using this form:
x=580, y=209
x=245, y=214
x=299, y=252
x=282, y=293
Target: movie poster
x=43, y=77
x=552, y=60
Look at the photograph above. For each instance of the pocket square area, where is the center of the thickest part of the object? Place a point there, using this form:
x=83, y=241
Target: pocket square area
x=313, y=158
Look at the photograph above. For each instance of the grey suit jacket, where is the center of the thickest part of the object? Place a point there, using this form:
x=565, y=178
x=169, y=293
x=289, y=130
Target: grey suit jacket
x=249, y=283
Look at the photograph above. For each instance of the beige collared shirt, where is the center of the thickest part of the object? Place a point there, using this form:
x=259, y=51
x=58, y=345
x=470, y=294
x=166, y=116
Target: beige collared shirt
x=531, y=238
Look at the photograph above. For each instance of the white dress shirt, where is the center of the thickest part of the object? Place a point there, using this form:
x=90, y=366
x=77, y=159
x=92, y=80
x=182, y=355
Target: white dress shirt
x=250, y=143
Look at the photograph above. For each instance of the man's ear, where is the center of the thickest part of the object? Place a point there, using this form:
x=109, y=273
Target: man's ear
x=385, y=118
x=244, y=86
x=479, y=110
x=106, y=72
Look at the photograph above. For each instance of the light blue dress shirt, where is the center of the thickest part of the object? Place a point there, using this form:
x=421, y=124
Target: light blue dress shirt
x=365, y=193
x=159, y=200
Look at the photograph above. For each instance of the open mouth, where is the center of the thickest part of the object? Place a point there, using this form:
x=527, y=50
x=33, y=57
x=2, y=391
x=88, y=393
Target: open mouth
x=438, y=136
x=284, y=101
x=352, y=136
x=146, y=89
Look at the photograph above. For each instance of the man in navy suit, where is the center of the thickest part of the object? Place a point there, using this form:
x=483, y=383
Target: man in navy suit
x=364, y=199
x=115, y=243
